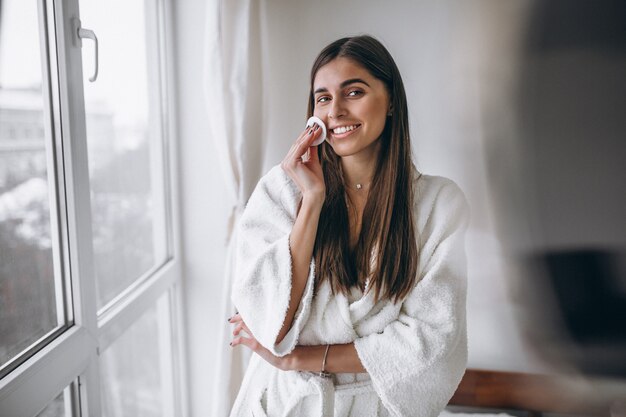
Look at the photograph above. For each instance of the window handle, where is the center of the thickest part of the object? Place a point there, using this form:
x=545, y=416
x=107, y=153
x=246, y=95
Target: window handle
x=88, y=34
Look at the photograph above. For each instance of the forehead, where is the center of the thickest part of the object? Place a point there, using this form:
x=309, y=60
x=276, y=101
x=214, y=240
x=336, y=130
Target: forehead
x=338, y=70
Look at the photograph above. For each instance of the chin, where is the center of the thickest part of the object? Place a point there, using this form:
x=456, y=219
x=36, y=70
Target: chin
x=348, y=149
x=343, y=151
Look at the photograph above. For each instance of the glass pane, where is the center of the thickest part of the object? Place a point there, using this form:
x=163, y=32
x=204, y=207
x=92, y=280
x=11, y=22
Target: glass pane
x=124, y=145
x=131, y=371
x=56, y=408
x=27, y=289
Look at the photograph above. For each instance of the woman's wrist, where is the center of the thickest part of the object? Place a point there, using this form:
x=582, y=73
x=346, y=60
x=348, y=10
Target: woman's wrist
x=341, y=358
x=306, y=358
x=290, y=362
x=314, y=199
x=302, y=358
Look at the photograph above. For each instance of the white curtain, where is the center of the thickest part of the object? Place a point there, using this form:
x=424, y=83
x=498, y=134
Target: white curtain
x=232, y=85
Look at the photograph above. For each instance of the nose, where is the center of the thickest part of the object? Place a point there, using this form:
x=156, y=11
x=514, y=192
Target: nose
x=336, y=109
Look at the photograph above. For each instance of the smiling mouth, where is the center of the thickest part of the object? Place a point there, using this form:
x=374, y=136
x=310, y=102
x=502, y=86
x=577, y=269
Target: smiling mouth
x=343, y=131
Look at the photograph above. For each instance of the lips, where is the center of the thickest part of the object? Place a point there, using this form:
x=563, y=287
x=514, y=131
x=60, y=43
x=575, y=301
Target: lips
x=345, y=130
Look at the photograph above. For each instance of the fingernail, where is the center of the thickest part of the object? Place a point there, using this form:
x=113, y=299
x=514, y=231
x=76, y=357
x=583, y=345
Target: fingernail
x=310, y=131
x=316, y=127
x=229, y=319
x=231, y=343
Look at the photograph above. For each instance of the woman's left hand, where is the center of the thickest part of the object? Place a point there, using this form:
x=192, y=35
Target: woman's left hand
x=281, y=363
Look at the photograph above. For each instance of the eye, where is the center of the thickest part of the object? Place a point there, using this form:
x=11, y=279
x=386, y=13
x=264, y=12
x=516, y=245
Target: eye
x=355, y=93
x=322, y=99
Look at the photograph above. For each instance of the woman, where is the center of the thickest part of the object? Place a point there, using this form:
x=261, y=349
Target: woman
x=350, y=281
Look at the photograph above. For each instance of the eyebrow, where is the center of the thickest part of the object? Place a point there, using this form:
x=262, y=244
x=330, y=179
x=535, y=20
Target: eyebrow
x=343, y=85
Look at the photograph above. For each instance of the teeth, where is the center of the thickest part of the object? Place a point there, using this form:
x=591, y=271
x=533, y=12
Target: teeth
x=344, y=129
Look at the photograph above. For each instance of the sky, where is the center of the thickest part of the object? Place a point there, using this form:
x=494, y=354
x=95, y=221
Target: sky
x=20, y=61
x=120, y=28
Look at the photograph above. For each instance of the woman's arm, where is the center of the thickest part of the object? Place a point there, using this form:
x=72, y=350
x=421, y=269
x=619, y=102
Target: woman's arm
x=340, y=359
x=309, y=178
x=301, y=242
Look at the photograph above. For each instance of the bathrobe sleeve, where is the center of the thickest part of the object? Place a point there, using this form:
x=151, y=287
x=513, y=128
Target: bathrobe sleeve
x=263, y=271
x=418, y=360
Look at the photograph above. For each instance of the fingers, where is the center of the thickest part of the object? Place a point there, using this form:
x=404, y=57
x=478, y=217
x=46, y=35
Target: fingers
x=301, y=146
x=313, y=151
x=303, y=138
x=313, y=134
x=249, y=342
x=298, y=148
x=246, y=341
x=237, y=319
x=253, y=344
x=302, y=163
x=241, y=325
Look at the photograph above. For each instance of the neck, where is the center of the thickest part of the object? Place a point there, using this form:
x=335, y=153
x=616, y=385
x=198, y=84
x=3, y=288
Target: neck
x=358, y=169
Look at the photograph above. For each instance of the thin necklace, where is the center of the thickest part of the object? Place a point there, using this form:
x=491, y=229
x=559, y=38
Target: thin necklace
x=359, y=186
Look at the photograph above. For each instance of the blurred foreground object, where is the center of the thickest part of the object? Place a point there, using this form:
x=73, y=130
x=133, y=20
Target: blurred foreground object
x=588, y=286
x=559, y=180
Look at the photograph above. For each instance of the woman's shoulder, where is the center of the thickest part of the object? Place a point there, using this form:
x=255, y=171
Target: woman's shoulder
x=275, y=176
x=276, y=181
x=438, y=194
x=277, y=189
x=434, y=185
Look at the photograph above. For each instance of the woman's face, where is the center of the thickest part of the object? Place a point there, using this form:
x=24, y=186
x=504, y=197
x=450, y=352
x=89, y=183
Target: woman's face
x=353, y=104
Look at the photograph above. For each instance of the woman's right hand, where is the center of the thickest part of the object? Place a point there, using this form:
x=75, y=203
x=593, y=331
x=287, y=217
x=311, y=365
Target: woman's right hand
x=306, y=172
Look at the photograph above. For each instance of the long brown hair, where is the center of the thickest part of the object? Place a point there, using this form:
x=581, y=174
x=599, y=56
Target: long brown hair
x=386, y=250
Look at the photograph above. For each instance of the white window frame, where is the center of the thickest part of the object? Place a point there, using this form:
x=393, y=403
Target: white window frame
x=72, y=358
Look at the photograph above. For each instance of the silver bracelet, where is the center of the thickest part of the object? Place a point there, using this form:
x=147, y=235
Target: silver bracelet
x=324, y=374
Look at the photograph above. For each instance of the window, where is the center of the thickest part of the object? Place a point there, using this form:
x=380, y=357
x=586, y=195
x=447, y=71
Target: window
x=136, y=369
x=30, y=290
x=89, y=267
x=124, y=146
x=61, y=405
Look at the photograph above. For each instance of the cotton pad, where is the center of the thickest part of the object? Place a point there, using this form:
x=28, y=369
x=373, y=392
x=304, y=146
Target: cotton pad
x=316, y=120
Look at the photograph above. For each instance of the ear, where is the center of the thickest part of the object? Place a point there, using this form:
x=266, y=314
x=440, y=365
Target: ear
x=390, y=111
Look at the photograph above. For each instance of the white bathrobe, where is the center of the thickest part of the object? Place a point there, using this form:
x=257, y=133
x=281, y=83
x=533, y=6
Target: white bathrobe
x=415, y=351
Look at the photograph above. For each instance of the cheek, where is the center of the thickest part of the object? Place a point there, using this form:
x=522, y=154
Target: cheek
x=322, y=114
x=377, y=116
